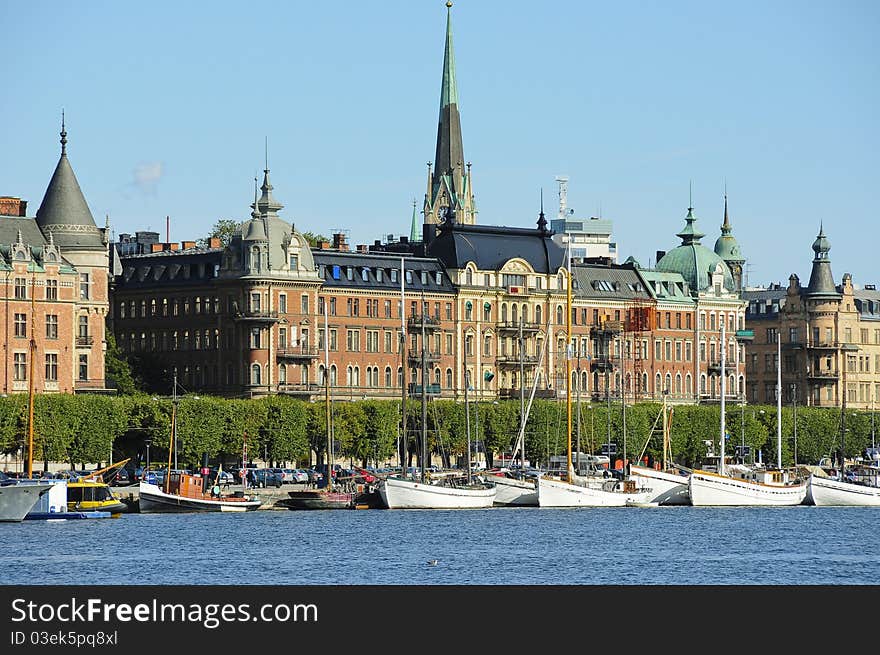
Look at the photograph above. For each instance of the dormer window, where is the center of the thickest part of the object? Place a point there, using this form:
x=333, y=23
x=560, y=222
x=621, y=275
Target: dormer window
x=365, y=274
x=349, y=272
x=379, y=275
x=424, y=278
x=438, y=278
x=394, y=274
x=409, y=277
x=294, y=262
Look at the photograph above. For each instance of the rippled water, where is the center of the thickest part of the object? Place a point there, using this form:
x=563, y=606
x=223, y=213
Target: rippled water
x=664, y=545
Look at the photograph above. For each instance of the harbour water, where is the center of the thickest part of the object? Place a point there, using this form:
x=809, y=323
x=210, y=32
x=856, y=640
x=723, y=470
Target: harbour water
x=800, y=545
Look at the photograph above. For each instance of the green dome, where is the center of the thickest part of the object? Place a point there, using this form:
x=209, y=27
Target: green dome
x=727, y=248
x=694, y=261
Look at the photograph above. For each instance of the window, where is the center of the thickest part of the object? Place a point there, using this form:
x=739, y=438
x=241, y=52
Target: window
x=487, y=311
x=448, y=378
x=51, y=326
x=282, y=338
x=449, y=311
x=304, y=304
x=387, y=376
x=448, y=344
x=51, y=289
x=772, y=334
x=255, y=302
x=353, y=340
x=333, y=307
x=254, y=339
x=256, y=374
x=20, y=288
x=469, y=345
x=52, y=367
x=387, y=340
x=334, y=343
x=294, y=262
x=20, y=325
x=19, y=370
x=282, y=303
x=487, y=345
x=468, y=311
x=83, y=327
x=282, y=374
x=372, y=341
x=83, y=367
x=84, y=286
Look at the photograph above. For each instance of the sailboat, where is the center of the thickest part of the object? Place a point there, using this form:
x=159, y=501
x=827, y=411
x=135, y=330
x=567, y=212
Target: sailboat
x=739, y=484
x=516, y=488
x=401, y=492
x=327, y=497
x=669, y=482
x=585, y=491
x=856, y=486
x=183, y=492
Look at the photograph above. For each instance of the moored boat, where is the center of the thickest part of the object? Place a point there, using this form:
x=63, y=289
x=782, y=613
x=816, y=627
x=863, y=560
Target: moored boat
x=317, y=499
x=858, y=491
x=611, y=492
x=17, y=498
x=745, y=485
x=514, y=491
x=400, y=493
x=184, y=493
x=670, y=487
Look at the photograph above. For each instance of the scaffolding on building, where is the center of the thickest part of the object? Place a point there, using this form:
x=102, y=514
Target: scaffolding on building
x=604, y=361
x=640, y=322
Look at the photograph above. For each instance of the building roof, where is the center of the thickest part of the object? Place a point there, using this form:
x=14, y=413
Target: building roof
x=608, y=283
x=490, y=247
x=821, y=280
x=694, y=261
x=666, y=286
x=372, y=270
x=726, y=246
x=764, y=303
x=64, y=210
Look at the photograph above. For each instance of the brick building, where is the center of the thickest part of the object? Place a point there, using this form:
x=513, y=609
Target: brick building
x=54, y=293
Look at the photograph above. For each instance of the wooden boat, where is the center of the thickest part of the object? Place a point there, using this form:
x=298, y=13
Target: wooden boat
x=860, y=489
x=184, y=493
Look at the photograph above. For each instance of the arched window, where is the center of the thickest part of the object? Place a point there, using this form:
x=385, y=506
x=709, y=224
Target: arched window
x=468, y=311
x=348, y=376
x=448, y=378
x=333, y=377
x=538, y=314
x=678, y=383
x=469, y=277
x=658, y=385
x=688, y=385
x=387, y=376
x=513, y=312
x=256, y=372
x=487, y=345
x=504, y=312
x=282, y=374
x=703, y=384
x=437, y=376
x=559, y=314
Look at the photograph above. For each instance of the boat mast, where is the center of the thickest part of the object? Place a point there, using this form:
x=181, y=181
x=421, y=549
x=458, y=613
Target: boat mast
x=778, y=401
x=403, y=365
x=721, y=466
x=327, y=398
x=568, y=357
x=33, y=356
x=522, y=389
x=467, y=417
x=665, y=431
x=623, y=398
x=425, y=403
x=173, y=438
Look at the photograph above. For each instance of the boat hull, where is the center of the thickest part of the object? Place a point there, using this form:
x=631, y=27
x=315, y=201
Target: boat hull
x=16, y=500
x=713, y=490
x=318, y=500
x=410, y=494
x=515, y=493
x=151, y=499
x=826, y=492
x=559, y=493
x=669, y=488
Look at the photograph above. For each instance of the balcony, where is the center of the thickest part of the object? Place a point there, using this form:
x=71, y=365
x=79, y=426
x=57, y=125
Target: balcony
x=415, y=357
x=84, y=341
x=824, y=345
x=257, y=316
x=302, y=389
x=514, y=360
x=602, y=364
x=415, y=390
x=513, y=326
x=415, y=323
x=298, y=352
x=823, y=377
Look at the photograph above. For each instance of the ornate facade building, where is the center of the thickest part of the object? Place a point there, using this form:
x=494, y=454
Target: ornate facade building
x=267, y=314
x=55, y=290
x=828, y=336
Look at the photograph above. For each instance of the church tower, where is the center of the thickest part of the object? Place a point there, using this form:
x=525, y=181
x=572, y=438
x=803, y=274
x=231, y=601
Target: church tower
x=728, y=249
x=449, y=181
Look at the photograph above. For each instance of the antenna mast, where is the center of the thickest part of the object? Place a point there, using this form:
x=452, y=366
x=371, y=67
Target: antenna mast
x=562, y=182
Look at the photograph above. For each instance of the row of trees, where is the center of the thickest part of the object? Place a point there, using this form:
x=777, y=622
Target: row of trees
x=81, y=429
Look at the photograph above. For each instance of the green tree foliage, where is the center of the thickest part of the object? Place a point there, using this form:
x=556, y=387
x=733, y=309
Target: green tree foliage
x=283, y=434
x=13, y=411
x=117, y=369
x=313, y=238
x=223, y=229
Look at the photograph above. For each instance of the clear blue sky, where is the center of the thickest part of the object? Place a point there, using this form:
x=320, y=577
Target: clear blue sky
x=169, y=104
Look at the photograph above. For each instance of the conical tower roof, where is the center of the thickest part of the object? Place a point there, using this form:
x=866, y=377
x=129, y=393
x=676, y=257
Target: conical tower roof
x=821, y=280
x=64, y=211
x=726, y=246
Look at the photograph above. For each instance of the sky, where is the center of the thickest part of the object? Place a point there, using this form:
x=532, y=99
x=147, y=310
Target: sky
x=170, y=106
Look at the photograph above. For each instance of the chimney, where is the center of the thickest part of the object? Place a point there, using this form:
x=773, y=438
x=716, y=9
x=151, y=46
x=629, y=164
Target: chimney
x=323, y=245
x=156, y=247
x=214, y=242
x=10, y=206
x=339, y=242
x=186, y=245
x=362, y=247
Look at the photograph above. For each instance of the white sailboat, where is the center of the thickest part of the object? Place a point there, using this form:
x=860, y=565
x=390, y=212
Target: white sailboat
x=859, y=486
x=585, y=491
x=514, y=489
x=669, y=482
x=401, y=492
x=742, y=485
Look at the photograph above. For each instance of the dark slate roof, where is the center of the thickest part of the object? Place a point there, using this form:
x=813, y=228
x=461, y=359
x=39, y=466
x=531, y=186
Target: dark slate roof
x=868, y=303
x=335, y=268
x=169, y=268
x=64, y=210
x=617, y=282
x=667, y=286
x=490, y=247
x=764, y=303
x=30, y=231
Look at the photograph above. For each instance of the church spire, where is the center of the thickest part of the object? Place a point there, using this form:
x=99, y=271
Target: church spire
x=450, y=183
x=414, y=225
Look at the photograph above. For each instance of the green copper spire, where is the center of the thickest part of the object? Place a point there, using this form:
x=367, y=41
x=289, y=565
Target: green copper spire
x=414, y=226
x=449, y=90
x=690, y=235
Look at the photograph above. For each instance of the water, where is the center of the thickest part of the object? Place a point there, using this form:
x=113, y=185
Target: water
x=632, y=546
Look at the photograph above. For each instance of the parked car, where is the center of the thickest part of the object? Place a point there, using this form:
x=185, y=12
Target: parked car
x=265, y=478
x=221, y=476
x=288, y=476
x=120, y=478
x=315, y=476
x=301, y=476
